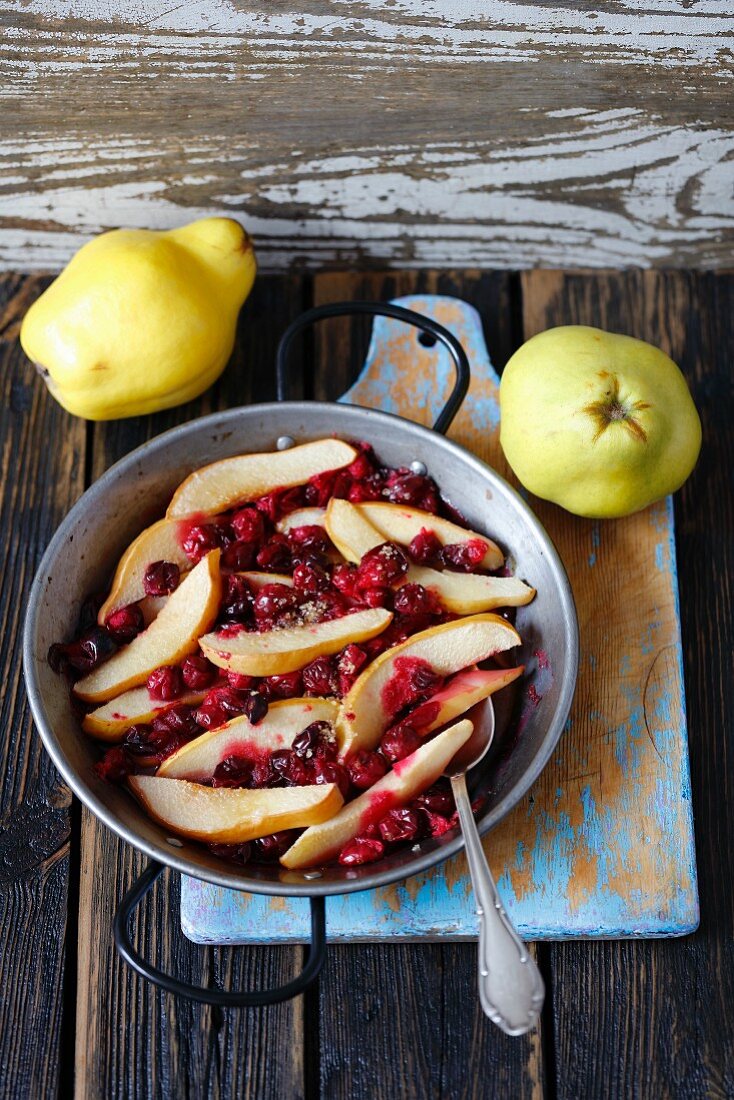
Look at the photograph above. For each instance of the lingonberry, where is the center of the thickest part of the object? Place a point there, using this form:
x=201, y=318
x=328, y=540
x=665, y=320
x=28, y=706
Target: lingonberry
x=365, y=768
x=125, y=623
x=361, y=850
x=165, y=682
x=197, y=672
x=161, y=578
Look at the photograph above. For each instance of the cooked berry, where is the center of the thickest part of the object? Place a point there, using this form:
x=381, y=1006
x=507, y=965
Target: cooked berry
x=162, y=577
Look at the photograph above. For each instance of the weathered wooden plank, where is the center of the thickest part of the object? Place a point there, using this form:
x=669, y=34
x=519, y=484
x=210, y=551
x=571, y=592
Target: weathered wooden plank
x=653, y=1019
x=41, y=474
x=131, y=1040
x=420, y=135
x=395, y=1020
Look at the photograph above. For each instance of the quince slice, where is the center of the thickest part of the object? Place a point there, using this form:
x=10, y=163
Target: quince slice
x=408, y=778
x=285, y=718
x=302, y=517
x=189, y=611
x=111, y=721
x=221, y=485
x=232, y=815
x=258, y=579
x=463, y=593
x=401, y=524
x=273, y=652
x=160, y=542
x=447, y=648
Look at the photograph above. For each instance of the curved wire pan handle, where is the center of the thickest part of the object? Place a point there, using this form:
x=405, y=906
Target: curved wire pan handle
x=399, y=313
x=223, y=997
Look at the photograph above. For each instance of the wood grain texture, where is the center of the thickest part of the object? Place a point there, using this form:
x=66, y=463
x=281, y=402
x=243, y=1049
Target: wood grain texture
x=653, y=1020
x=35, y=822
x=412, y=134
x=172, y=1047
x=455, y=1051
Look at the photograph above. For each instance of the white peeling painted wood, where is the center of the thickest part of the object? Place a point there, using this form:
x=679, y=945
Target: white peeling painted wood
x=413, y=133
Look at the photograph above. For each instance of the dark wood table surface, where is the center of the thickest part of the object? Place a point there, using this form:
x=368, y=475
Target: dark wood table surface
x=622, y=1019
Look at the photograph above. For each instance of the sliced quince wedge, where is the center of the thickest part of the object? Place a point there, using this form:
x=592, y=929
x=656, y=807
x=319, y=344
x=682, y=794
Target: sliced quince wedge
x=401, y=524
x=447, y=649
x=188, y=613
x=459, y=695
x=110, y=721
x=221, y=485
x=160, y=542
x=470, y=593
x=408, y=778
x=258, y=579
x=277, y=651
x=353, y=533
x=285, y=718
x=232, y=815
x=302, y=517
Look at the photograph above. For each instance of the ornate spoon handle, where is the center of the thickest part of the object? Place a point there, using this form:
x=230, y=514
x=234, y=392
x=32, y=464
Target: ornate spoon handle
x=511, y=990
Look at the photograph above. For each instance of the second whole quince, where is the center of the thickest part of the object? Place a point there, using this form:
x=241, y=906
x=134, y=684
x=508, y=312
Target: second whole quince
x=599, y=423
x=141, y=320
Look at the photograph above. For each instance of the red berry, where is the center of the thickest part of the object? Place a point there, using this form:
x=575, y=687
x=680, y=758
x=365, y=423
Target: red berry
x=437, y=824
x=344, y=578
x=233, y=771
x=285, y=686
x=165, y=682
x=241, y=681
x=400, y=824
x=235, y=853
x=377, y=597
x=308, y=577
x=272, y=603
x=126, y=623
x=399, y=741
x=328, y=771
x=237, y=600
x=464, y=556
x=425, y=548
x=114, y=766
x=381, y=566
x=197, y=672
x=361, y=850
x=365, y=768
x=320, y=677
x=238, y=556
x=161, y=578
x=318, y=738
x=177, y=719
x=414, y=599
x=266, y=849
x=255, y=707
x=349, y=662
x=416, y=490
x=308, y=537
x=369, y=488
x=275, y=554
x=437, y=800
x=248, y=525
x=199, y=540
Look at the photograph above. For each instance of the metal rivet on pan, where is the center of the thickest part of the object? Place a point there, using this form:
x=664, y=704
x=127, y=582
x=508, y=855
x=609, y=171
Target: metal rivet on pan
x=283, y=442
x=174, y=841
x=419, y=468
x=312, y=874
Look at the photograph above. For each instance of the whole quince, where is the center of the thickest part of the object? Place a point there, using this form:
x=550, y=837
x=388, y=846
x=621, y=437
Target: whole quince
x=141, y=320
x=599, y=423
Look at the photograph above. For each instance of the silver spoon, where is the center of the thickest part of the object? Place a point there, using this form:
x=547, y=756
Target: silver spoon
x=511, y=990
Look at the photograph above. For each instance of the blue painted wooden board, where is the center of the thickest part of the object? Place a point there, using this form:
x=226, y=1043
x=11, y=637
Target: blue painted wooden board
x=603, y=844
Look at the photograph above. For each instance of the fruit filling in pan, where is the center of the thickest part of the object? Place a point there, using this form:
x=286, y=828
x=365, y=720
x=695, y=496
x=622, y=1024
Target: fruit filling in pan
x=281, y=665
